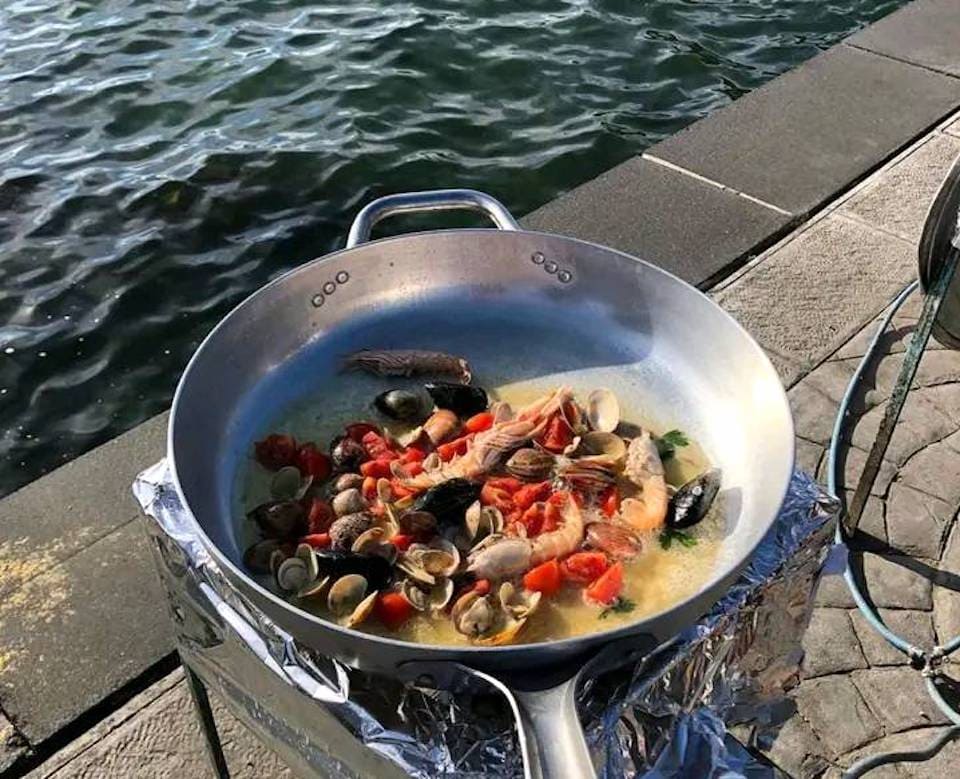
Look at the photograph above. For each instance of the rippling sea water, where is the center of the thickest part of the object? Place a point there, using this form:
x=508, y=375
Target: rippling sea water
x=161, y=159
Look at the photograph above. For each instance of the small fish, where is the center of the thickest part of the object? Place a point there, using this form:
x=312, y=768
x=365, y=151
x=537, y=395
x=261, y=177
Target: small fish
x=408, y=362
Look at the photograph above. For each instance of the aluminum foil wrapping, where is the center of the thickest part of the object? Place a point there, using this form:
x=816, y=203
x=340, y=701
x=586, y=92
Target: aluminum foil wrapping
x=667, y=714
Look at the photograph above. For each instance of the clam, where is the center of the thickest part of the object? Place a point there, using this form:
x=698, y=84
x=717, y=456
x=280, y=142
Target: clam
x=588, y=475
x=481, y=521
x=530, y=464
x=603, y=410
x=292, y=574
x=474, y=615
x=347, y=529
x=438, y=558
x=397, y=470
x=347, y=454
x=276, y=560
x=417, y=522
x=257, y=557
x=411, y=567
x=433, y=598
x=347, y=481
x=692, y=501
x=400, y=404
x=348, y=600
x=350, y=501
x=279, y=519
x=306, y=553
x=384, y=490
x=605, y=447
x=287, y=484
x=462, y=399
x=374, y=542
x=314, y=589
x=515, y=608
x=432, y=462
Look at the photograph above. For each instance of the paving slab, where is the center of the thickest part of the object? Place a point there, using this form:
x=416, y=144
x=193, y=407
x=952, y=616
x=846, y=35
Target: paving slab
x=157, y=735
x=809, y=456
x=924, y=32
x=830, y=645
x=12, y=744
x=75, y=633
x=946, y=600
x=55, y=517
x=915, y=626
x=634, y=208
x=898, y=697
x=892, y=582
x=811, y=294
x=897, y=199
x=922, y=423
x=939, y=767
x=837, y=713
x=833, y=592
x=797, y=750
x=916, y=521
x=935, y=470
x=802, y=139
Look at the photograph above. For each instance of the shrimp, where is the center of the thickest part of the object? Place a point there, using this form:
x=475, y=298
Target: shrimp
x=510, y=557
x=648, y=511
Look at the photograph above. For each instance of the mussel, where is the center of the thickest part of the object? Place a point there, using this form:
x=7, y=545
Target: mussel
x=448, y=500
x=375, y=569
x=347, y=454
x=280, y=518
x=400, y=404
x=463, y=400
x=692, y=501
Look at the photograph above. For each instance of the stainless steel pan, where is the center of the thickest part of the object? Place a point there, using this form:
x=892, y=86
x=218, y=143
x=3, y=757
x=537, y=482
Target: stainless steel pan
x=519, y=305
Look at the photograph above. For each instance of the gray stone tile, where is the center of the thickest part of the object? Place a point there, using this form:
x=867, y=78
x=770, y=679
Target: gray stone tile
x=813, y=412
x=872, y=528
x=808, y=456
x=916, y=521
x=802, y=138
x=921, y=423
x=830, y=646
x=898, y=697
x=935, y=470
x=804, y=301
x=837, y=713
x=56, y=516
x=946, y=600
x=12, y=744
x=832, y=592
x=924, y=32
x=634, y=206
x=915, y=626
x=897, y=199
x=851, y=462
x=80, y=630
x=797, y=750
x=892, y=584
x=908, y=741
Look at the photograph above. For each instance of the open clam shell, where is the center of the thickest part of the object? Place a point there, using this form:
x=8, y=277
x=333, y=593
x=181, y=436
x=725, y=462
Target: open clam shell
x=432, y=598
x=315, y=589
x=603, y=410
x=412, y=569
x=605, y=447
x=345, y=595
x=306, y=553
x=374, y=542
x=438, y=558
x=363, y=611
x=292, y=575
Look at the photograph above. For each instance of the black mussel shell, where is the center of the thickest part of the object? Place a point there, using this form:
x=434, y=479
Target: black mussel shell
x=336, y=563
x=692, y=501
x=462, y=399
x=346, y=454
x=400, y=404
x=257, y=557
x=280, y=518
x=448, y=501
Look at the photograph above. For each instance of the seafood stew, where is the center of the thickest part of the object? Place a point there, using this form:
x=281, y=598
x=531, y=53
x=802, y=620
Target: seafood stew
x=447, y=514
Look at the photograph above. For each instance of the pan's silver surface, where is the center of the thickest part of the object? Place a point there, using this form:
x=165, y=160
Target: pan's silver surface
x=519, y=305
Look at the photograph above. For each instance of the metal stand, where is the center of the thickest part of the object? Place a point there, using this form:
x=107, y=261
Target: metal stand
x=208, y=725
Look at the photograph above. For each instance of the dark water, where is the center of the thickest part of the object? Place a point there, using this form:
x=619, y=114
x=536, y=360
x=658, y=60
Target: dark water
x=162, y=159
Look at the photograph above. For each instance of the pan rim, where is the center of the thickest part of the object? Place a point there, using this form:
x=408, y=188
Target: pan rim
x=722, y=576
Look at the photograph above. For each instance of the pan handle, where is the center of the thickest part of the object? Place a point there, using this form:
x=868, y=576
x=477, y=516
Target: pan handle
x=556, y=745
x=431, y=200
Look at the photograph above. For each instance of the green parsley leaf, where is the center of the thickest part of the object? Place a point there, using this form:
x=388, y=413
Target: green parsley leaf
x=669, y=442
x=668, y=536
x=619, y=606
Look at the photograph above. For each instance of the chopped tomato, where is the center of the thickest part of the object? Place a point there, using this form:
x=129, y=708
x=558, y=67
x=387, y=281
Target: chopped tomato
x=399, y=491
x=369, y=488
x=507, y=483
x=558, y=435
x=529, y=494
x=532, y=519
x=584, y=567
x=493, y=496
x=377, y=446
x=559, y=498
x=317, y=540
x=319, y=517
x=458, y=446
x=358, y=430
x=413, y=455
x=414, y=468
x=610, y=500
x=608, y=587
x=552, y=519
x=312, y=462
x=392, y=609
x=479, y=422
x=378, y=469
x=402, y=541
x=276, y=451
x=482, y=586
x=545, y=578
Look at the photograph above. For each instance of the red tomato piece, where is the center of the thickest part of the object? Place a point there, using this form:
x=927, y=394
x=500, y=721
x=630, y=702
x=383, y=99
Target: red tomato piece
x=276, y=451
x=399, y=491
x=317, y=540
x=392, y=609
x=529, y=494
x=552, y=518
x=358, y=430
x=319, y=517
x=584, y=567
x=413, y=455
x=558, y=435
x=545, y=578
x=414, y=468
x=479, y=422
x=482, y=586
x=377, y=446
x=369, y=488
x=532, y=519
x=312, y=462
x=507, y=483
x=378, y=469
x=610, y=500
x=608, y=587
x=402, y=541
x=493, y=496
